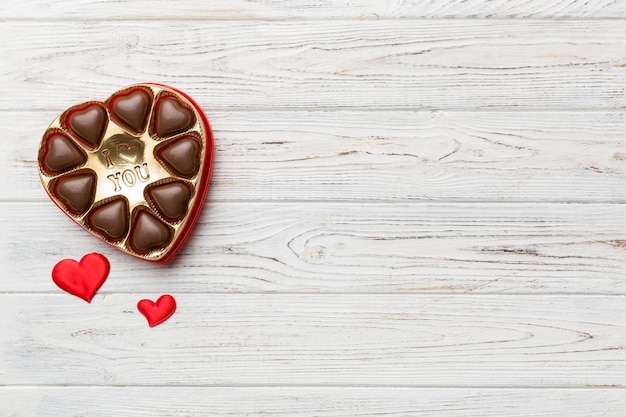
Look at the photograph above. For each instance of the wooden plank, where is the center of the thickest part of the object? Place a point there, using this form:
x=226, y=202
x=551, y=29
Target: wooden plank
x=336, y=340
x=345, y=248
x=310, y=9
x=461, y=64
x=310, y=401
x=385, y=155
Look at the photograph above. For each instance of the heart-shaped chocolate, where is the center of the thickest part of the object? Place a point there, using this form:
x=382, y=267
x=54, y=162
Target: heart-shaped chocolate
x=172, y=117
x=88, y=123
x=132, y=109
x=132, y=170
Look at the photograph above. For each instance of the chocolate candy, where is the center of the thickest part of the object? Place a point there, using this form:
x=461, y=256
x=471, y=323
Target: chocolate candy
x=132, y=170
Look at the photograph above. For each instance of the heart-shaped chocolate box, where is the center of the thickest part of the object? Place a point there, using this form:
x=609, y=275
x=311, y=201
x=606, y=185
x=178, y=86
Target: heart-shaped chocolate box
x=132, y=170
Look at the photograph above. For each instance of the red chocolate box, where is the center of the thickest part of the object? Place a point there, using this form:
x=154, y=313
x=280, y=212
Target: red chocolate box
x=133, y=170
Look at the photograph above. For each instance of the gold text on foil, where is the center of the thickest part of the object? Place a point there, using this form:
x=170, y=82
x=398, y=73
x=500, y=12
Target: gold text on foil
x=130, y=177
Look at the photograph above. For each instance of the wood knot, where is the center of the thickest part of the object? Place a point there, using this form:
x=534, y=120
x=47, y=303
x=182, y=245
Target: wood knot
x=317, y=253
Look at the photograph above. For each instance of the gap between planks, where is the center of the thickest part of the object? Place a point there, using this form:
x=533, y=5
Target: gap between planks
x=347, y=109
x=54, y=291
x=357, y=201
x=333, y=386
x=306, y=20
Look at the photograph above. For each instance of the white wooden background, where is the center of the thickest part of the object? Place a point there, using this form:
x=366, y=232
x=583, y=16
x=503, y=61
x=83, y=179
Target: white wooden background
x=417, y=209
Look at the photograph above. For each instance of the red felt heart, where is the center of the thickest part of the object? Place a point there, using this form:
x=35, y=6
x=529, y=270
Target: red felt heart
x=158, y=312
x=82, y=278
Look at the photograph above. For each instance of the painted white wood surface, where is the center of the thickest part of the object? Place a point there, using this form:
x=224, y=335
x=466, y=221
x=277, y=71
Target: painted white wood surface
x=310, y=9
x=308, y=401
x=318, y=339
x=391, y=64
x=288, y=247
x=387, y=155
x=417, y=209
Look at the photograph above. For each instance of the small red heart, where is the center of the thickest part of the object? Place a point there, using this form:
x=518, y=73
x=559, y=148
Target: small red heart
x=158, y=312
x=82, y=278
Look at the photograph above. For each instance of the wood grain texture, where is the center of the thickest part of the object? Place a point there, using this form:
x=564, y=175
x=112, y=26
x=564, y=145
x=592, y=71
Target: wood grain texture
x=417, y=209
x=309, y=401
x=311, y=9
x=345, y=248
x=384, y=155
x=463, y=64
x=334, y=340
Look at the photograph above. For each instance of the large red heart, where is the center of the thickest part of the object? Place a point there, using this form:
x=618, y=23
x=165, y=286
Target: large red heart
x=82, y=278
x=132, y=170
x=158, y=312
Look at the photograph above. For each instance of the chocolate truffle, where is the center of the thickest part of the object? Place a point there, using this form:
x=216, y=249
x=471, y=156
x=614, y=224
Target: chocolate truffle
x=172, y=117
x=111, y=218
x=62, y=154
x=148, y=232
x=89, y=123
x=182, y=155
x=171, y=199
x=77, y=190
x=133, y=109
